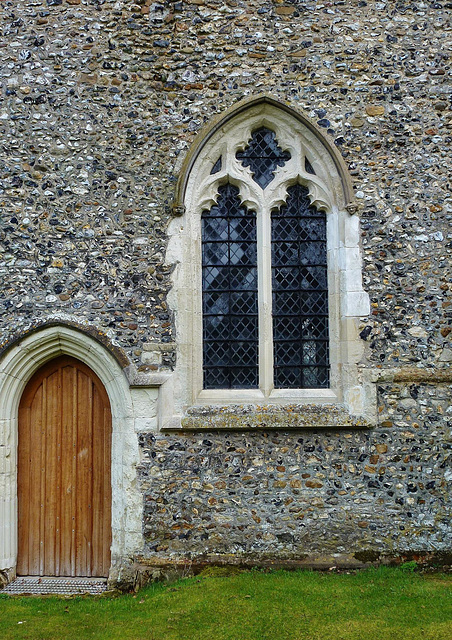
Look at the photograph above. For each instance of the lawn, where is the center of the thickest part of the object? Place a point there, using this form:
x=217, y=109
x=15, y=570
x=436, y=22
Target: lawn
x=380, y=604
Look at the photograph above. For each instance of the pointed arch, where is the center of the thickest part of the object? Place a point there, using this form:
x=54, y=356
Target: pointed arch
x=18, y=365
x=266, y=104
x=311, y=160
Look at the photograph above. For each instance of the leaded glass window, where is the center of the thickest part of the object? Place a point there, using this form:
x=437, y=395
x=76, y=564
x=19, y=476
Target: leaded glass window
x=256, y=291
x=229, y=280
x=300, y=293
x=263, y=155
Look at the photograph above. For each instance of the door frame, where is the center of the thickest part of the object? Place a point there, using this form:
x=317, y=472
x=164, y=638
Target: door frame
x=92, y=559
x=18, y=365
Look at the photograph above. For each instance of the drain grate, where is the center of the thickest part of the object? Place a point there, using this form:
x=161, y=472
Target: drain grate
x=55, y=586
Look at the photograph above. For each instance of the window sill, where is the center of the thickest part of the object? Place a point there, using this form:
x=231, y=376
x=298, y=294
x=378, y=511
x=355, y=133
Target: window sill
x=257, y=397
x=253, y=417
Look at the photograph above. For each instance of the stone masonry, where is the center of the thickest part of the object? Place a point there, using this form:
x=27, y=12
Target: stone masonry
x=100, y=101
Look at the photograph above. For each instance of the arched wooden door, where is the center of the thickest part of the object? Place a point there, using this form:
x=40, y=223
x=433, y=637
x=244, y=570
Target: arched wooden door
x=64, y=478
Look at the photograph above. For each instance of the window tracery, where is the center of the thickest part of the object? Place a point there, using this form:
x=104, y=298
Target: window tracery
x=232, y=255
x=293, y=179
x=263, y=155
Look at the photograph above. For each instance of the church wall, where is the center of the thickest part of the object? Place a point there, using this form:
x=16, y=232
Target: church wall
x=319, y=497
x=100, y=102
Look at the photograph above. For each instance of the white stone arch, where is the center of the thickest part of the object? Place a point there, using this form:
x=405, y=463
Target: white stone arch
x=19, y=363
x=329, y=188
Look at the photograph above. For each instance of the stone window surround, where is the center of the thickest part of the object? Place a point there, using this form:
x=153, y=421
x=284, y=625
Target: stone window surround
x=330, y=190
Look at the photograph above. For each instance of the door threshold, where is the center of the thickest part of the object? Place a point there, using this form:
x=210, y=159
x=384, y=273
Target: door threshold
x=51, y=585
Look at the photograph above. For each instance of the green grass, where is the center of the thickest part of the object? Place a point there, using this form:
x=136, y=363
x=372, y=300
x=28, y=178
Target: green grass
x=381, y=604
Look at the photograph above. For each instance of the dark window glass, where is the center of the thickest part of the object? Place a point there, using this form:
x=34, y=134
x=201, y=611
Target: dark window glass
x=263, y=155
x=229, y=283
x=308, y=166
x=216, y=167
x=300, y=294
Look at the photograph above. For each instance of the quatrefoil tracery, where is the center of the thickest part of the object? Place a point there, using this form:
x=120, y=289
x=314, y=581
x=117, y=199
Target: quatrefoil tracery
x=263, y=156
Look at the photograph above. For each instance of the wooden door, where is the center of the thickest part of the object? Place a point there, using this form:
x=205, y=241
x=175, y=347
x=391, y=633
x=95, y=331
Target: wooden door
x=64, y=460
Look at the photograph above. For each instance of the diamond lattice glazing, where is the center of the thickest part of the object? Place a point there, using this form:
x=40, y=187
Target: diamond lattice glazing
x=300, y=294
x=263, y=155
x=229, y=281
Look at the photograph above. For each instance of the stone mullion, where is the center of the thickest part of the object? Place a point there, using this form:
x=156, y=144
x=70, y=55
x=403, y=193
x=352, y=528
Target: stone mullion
x=265, y=300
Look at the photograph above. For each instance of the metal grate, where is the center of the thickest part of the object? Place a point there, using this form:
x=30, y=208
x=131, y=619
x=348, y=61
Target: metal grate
x=263, y=156
x=300, y=294
x=27, y=585
x=229, y=283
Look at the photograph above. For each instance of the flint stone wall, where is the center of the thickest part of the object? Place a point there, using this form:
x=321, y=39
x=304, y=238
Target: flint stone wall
x=101, y=100
x=99, y=104
x=321, y=496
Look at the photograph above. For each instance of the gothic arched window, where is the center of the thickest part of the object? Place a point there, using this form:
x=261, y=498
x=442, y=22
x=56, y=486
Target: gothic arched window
x=234, y=252
x=267, y=285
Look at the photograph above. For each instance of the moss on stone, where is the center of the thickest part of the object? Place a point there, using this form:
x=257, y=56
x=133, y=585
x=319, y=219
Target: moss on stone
x=220, y=572
x=367, y=555
x=254, y=417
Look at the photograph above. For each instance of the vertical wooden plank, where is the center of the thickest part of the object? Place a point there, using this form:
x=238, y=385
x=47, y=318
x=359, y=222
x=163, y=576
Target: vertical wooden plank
x=101, y=482
x=67, y=417
x=50, y=482
x=37, y=417
x=23, y=488
x=58, y=474
x=98, y=493
x=82, y=478
x=42, y=478
x=74, y=474
x=81, y=411
x=106, y=448
x=89, y=478
x=65, y=465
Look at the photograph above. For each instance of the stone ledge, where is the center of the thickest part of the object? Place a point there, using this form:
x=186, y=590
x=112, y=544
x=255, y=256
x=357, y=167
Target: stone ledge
x=362, y=557
x=142, y=379
x=436, y=375
x=250, y=417
x=145, y=569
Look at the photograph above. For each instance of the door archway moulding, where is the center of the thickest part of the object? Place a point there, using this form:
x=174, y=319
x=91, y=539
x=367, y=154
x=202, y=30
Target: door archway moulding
x=19, y=363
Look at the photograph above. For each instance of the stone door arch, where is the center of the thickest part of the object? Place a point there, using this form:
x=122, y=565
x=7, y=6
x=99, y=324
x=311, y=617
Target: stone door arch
x=18, y=365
